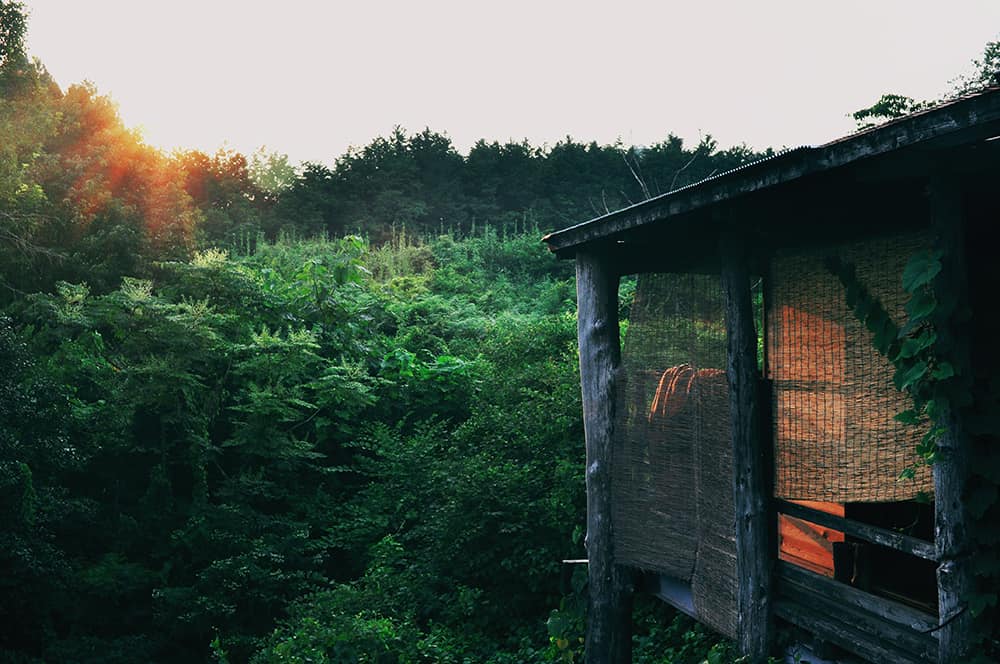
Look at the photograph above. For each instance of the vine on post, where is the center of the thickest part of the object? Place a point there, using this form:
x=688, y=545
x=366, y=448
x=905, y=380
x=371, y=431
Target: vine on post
x=912, y=348
x=922, y=352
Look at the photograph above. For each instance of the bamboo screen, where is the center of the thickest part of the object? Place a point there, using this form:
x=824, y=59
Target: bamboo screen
x=672, y=485
x=834, y=398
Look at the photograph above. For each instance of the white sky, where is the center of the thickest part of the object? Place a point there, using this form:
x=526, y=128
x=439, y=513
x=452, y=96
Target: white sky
x=311, y=78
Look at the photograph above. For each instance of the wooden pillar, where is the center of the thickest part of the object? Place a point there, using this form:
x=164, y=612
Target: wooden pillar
x=609, y=615
x=952, y=521
x=751, y=471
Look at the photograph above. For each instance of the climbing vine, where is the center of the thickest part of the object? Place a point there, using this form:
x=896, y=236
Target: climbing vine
x=913, y=348
x=929, y=355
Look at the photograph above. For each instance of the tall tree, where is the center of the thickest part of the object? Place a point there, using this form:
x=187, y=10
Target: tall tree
x=13, y=26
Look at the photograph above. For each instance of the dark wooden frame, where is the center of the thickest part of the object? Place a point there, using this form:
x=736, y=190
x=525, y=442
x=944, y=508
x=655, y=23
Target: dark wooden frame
x=763, y=202
x=751, y=469
x=888, y=538
x=952, y=521
x=609, y=614
x=878, y=629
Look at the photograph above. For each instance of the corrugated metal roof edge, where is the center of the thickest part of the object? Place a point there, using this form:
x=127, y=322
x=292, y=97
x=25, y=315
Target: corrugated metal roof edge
x=675, y=192
x=768, y=161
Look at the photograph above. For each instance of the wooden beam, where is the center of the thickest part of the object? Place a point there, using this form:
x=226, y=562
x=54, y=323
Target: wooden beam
x=952, y=521
x=843, y=595
x=856, y=631
x=890, y=538
x=751, y=488
x=609, y=615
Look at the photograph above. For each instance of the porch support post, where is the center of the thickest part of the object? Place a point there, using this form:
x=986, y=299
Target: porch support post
x=952, y=520
x=751, y=473
x=609, y=615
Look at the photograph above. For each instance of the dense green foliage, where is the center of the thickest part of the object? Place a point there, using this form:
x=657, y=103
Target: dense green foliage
x=252, y=412
x=380, y=447
x=236, y=434
x=222, y=440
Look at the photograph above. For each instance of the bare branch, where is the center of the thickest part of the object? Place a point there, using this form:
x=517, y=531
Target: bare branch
x=682, y=169
x=18, y=241
x=642, y=184
x=597, y=212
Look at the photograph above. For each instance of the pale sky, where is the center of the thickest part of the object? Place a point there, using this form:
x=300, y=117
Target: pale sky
x=311, y=78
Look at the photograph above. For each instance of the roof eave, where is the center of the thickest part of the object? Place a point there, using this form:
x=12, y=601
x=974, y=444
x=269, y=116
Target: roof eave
x=948, y=120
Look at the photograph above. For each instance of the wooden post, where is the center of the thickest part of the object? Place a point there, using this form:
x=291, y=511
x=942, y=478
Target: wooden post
x=609, y=615
x=952, y=521
x=751, y=485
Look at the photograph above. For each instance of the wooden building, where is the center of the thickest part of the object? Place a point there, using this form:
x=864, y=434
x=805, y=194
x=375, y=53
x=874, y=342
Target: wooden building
x=743, y=460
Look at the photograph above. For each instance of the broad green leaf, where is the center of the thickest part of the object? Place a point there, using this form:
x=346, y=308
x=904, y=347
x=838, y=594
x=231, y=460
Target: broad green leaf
x=852, y=293
x=912, y=346
x=885, y=334
x=943, y=370
x=864, y=308
x=920, y=306
x=906, y=377
x=921, y=269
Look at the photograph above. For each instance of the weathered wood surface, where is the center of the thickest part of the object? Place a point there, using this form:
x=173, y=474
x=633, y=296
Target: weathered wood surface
x=952, y=521
x=609, y=631
x=901, y=615
x=844, y=629
x=890, y=538
x=751, y=488
x=965, y=119
x=878, y=629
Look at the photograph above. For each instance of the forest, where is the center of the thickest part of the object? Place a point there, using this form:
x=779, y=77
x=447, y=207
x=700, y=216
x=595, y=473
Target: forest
x=252, y=411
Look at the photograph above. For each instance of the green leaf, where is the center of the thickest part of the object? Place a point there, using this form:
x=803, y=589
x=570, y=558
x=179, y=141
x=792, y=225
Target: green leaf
x=907, y=349
x=910, y=326
x=852, y=293
x=907, y=417
x=912, y=346
x=864, y=308
x=920, y=305
x=927, y=448
x=921, y=269
x=906, y=376
x=885, y=335
x=943, y=370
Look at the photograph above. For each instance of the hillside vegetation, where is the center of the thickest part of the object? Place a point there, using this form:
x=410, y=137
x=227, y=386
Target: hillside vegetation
x=258, y=412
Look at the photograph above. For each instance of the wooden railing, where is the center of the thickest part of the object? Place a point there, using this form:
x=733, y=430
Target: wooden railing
x=878, y=629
